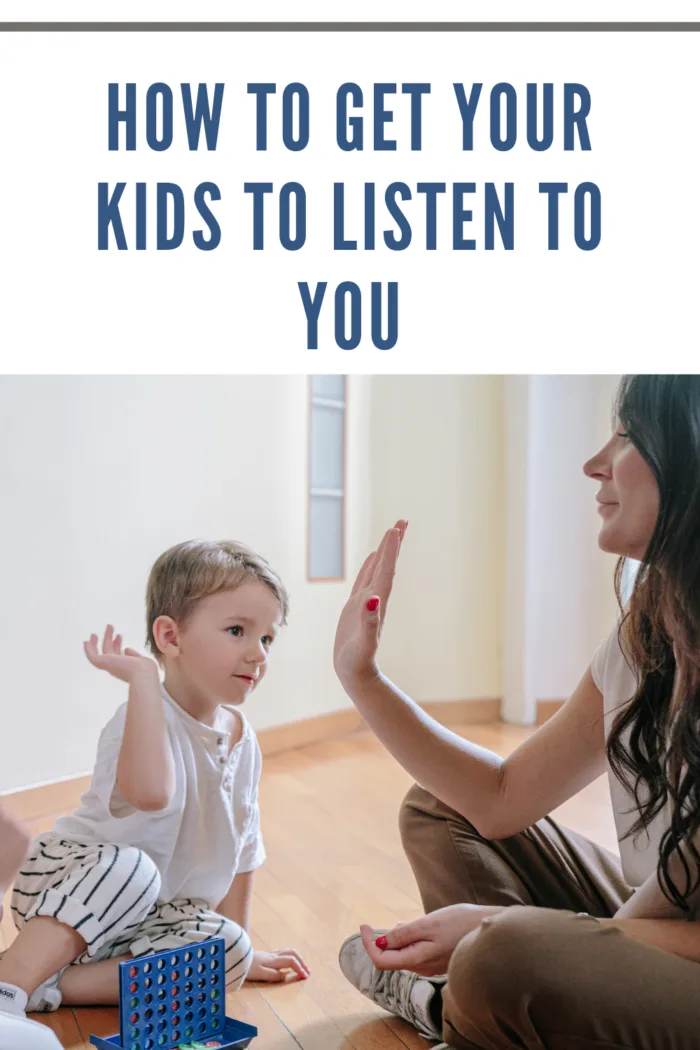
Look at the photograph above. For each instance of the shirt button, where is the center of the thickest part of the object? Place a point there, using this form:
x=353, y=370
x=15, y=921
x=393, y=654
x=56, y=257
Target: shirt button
x=222, y=760
x=220, y=741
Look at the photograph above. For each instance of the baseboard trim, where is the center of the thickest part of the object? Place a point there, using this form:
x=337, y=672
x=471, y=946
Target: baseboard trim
x=308, y=731
x=547, y=708
x=44, y=801
x=339, y=723
x=62, y=796
x=464, y=712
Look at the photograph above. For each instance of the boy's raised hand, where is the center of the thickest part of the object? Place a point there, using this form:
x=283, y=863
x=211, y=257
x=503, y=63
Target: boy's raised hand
x=125, y=665
x=360, y=623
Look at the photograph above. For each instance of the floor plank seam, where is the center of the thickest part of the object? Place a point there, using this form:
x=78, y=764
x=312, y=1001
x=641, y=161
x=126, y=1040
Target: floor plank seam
x=281, y=1021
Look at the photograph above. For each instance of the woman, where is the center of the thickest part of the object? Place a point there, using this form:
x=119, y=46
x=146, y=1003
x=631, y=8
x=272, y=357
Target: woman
x=536, y=937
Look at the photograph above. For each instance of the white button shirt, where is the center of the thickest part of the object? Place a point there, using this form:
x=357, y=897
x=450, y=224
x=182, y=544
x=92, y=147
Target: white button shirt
x=210, y=831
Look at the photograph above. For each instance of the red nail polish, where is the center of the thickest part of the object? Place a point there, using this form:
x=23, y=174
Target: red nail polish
x=382, y=943
x=373, y=604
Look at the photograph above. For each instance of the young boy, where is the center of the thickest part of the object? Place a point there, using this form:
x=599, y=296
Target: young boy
x=162, y=850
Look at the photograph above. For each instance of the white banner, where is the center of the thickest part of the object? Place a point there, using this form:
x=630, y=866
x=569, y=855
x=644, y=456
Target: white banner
x=356, y=202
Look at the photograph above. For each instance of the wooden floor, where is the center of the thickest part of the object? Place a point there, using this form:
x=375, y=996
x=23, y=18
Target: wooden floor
x=334, y=861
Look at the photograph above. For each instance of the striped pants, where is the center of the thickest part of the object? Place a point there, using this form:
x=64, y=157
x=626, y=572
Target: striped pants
x=109, y=895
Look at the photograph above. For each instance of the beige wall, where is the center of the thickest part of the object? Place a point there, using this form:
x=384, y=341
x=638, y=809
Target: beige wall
x=437, y=460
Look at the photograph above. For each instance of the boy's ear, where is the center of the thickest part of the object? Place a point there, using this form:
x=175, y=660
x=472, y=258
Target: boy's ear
x=166, y=634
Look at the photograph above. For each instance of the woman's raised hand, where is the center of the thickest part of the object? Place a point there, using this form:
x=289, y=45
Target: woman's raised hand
x=360, y=623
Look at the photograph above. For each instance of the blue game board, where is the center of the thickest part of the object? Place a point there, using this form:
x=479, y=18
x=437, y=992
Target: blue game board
x=176, y=998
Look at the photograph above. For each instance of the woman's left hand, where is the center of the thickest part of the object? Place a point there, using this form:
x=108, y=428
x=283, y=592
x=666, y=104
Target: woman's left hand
x=425, y=946
x=360, y=625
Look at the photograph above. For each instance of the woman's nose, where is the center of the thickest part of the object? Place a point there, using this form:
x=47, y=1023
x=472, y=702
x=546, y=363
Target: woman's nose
x=598, y=466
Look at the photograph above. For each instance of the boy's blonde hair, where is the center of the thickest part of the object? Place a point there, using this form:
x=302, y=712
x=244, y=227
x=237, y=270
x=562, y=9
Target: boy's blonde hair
x=190, y=571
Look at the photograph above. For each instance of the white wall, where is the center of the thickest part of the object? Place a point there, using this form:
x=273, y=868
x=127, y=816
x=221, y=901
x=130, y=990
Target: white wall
x=98, y=476
x=558, y=585
x=605, y=565
x=518, y=704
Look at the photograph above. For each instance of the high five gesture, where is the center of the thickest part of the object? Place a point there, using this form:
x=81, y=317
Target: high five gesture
x=360, y=624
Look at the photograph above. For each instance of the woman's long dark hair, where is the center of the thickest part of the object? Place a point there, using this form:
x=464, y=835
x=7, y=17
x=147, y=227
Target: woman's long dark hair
x=660, y=631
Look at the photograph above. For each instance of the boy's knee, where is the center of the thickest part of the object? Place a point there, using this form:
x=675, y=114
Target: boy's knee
x=133, y=867
x=238, y=956
x=113, y=892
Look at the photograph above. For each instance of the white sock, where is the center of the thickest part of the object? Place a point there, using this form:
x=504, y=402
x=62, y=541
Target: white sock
x=12, y=999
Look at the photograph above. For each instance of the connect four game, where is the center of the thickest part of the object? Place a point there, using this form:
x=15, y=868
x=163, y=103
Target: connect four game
x=176, y=1000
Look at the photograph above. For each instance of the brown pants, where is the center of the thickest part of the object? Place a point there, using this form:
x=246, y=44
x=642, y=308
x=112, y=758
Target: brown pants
x=543, y=974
